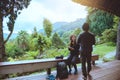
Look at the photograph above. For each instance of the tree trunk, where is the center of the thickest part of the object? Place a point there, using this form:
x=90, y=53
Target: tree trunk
x=2, y=47
x=118, y=44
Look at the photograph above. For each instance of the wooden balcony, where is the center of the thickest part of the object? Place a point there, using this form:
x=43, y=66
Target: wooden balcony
x=103, y=71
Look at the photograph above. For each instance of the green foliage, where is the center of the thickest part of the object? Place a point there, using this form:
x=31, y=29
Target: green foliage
x=76, y=31
x=13, y=51
x=35, y=33
x=47, y=27
x=43, y=43
x=11, y=9
x=31, y=54
x=52, y=53
x=103, y=49
x=116, y=22
x=110, y=44
x=109, y=35
x=108, y=59
x=33, y=43
x=23, y=40
x=66, y=35
x=57, y=42
x=99, y=20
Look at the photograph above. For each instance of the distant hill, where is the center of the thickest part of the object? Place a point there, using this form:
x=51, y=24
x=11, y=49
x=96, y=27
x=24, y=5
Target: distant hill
x=56, y=26
x=71, y=26
x=66, y=26
x=59, y=27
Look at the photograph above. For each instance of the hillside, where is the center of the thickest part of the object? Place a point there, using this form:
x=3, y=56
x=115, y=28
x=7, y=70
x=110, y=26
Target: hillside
x=72, y=25
x=61, y=27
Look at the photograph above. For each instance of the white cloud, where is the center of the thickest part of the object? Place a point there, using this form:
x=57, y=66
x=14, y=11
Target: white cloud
x=54, y=10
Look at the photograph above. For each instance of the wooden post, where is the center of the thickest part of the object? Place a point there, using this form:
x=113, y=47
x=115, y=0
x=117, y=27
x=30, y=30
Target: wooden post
x=118, y=44
x=48, y=71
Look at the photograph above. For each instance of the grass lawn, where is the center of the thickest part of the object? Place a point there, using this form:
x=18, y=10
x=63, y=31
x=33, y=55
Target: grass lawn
x=103, y=49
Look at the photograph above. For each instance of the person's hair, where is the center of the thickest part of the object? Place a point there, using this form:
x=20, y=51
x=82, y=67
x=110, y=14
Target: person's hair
x=72, y=41
x=85, y=27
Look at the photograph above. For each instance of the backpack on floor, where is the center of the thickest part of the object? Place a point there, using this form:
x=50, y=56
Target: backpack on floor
x=62, y=71
x=50, y=77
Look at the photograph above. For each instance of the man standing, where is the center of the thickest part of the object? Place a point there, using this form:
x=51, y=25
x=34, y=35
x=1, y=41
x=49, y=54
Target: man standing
x=85, y=42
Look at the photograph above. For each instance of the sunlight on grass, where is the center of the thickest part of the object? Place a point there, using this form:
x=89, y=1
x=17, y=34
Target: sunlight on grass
x=103, y=49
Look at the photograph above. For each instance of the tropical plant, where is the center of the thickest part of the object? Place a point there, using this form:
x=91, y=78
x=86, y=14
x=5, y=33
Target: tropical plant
x=99, y=20
x=42, y=43
x=13, y=51
x=57, y=41
x=34, y=33
x=47, y=27
x=23, y=40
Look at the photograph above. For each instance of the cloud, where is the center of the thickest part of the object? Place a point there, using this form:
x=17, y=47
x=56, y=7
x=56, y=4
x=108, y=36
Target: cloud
x=54, y=10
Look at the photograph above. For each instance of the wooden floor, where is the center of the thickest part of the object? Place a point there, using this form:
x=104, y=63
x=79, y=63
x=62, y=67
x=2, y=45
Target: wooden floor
x=105, y=71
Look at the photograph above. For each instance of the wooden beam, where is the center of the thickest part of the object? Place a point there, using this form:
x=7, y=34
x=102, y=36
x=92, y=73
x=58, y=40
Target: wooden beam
x=32, y=65
x=118, y=43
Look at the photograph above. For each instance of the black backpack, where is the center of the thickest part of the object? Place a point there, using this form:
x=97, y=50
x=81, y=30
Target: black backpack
x=62, y=71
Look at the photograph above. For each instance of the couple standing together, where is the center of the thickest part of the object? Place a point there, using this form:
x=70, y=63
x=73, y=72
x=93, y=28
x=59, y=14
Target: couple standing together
x=84, y=43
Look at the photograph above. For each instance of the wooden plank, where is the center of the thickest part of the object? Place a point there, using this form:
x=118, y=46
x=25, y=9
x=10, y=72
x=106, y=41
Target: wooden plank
x=29, y=61
x=95, y=57
x=26, y=67
x=105, y=71
x=31, y=65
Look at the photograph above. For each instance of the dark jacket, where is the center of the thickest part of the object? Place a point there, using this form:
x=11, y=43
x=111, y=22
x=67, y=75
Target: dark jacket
x=85, y=41
x=75, y=51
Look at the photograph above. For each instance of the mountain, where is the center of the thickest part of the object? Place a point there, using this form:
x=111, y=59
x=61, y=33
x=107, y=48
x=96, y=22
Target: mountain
x=71, y=26
x=58, y=25
x=66, y=26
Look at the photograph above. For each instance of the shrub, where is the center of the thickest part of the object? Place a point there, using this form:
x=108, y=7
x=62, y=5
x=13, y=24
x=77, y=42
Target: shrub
x=109, y=35
x=52, y=53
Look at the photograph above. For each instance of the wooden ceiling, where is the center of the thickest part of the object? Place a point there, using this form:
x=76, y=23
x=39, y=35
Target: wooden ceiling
x=112, y=6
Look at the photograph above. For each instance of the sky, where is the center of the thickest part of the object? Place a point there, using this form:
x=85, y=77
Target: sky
x=53, y=10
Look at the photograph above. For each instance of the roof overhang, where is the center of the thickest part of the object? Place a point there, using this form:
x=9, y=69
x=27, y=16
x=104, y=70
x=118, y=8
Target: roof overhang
x=112, y=6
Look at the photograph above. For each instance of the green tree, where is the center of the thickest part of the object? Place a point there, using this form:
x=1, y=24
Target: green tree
x=33, y=40
x=42, y=44
x=77, y=31
x=35, y=33
x=33, y=43
x=12, y=50
x=47, y=27
x=109, y=35
x=23, y=40
x=116, y=22
x=99, y=20
x=57, y=42
x=9, y=9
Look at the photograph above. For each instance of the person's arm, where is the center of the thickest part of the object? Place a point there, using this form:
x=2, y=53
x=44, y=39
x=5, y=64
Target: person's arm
x=94, y=40
x=78, y=42
x=70, y=48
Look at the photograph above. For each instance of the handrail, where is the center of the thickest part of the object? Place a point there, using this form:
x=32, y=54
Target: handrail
x=32, y=65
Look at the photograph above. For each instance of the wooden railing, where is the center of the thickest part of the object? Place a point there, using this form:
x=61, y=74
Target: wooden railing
x=32, y=65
